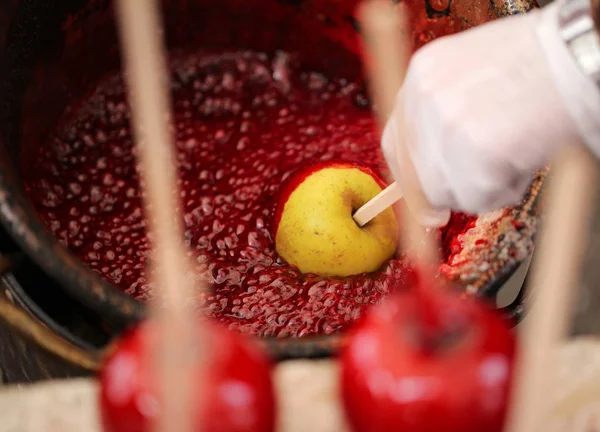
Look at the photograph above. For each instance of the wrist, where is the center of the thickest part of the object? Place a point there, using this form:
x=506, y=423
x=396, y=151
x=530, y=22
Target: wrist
x=578, y=31
x=573, y=55
x=595, y=6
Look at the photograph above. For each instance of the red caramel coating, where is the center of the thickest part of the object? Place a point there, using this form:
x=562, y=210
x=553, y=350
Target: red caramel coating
x=394, y=380
x=239, y=393
x=245, y=123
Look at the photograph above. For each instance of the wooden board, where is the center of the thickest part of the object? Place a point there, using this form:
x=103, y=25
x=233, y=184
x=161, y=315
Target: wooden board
x=302, y=386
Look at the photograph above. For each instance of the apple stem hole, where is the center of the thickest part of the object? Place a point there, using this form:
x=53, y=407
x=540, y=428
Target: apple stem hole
x=354, y=210
x=436, y=343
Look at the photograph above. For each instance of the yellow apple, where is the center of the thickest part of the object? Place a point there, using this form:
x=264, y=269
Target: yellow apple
x=315, y=231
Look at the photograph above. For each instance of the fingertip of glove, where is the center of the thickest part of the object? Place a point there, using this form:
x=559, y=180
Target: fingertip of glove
x=435, y=218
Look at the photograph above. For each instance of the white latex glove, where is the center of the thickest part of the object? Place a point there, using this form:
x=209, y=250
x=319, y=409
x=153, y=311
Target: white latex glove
x=485, y=108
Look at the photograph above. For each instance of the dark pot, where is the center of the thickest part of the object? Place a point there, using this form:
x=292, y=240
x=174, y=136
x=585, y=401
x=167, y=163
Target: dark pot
x=52, y=50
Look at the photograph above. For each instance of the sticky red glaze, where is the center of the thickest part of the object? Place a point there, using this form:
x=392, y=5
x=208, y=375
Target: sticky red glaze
x=238, y=388
x=244, y=123
x=390, y=384
x=451, y=238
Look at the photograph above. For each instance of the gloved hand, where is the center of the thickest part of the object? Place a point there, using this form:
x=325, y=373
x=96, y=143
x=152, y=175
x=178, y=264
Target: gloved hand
x=485, y=108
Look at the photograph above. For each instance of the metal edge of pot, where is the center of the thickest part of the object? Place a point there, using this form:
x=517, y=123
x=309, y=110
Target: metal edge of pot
x=121, y=310
x=315, y=347
x=21, y=222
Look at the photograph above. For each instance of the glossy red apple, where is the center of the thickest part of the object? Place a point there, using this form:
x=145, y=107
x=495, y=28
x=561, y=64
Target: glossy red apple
x=239, y=391
x=457, y=379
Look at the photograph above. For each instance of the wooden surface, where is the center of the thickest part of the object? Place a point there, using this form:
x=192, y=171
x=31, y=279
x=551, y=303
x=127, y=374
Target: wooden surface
x=303, y=386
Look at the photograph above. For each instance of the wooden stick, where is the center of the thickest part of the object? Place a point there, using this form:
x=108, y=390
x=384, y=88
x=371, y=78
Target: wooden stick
x=382, y=201
x=555, y=274
x=387, y=34
x=173, y=358
x=387, y=39
x=387, y=198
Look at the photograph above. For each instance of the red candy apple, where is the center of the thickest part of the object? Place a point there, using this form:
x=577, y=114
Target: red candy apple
x=403, y=371
x=239, y=395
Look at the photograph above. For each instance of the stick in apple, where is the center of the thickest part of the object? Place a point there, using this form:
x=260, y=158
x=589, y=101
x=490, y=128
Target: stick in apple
x=554, y=280
x=173, y=357
x=388, y=52
x=387, y=55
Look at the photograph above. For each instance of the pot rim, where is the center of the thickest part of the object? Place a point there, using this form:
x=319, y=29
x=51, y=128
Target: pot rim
x=122, y=310
x=27, y=230
x=119, y=309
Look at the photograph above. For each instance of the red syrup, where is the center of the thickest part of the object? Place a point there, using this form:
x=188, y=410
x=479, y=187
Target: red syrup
x=244, y=123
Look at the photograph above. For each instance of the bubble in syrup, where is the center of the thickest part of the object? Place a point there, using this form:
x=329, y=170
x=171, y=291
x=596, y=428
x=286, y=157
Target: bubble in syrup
x=231, y=166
